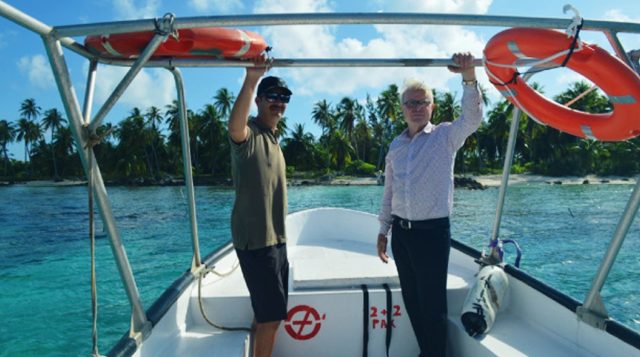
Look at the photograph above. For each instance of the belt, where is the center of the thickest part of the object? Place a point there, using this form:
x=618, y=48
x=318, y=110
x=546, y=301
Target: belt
x=425, y=224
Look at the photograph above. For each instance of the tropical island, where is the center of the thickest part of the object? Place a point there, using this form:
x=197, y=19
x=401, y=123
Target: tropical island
x=144, y=148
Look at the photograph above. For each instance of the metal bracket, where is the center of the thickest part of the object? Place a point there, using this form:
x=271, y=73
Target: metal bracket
x=595, y=316
x=139, y=336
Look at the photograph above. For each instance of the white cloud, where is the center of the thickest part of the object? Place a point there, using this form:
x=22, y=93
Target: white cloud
x=629, y=41
x=439, y=6
x=566, y=77
x=388, y=41
x=618, y=15
x=291, y=6
x=216, y=6
x=152, y=87
x=38, y=71
x=128, y=9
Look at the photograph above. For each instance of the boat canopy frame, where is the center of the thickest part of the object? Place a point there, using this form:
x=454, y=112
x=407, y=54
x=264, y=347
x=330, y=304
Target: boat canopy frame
x=83, y=127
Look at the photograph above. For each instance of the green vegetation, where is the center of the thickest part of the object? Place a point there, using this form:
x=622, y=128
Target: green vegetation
x=145, y=146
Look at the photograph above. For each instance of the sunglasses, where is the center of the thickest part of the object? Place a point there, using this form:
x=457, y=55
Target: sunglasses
x=412, y=103
x=272, y=97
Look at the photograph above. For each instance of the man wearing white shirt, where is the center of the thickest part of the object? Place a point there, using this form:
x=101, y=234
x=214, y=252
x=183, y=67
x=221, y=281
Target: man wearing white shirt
x=418, y=199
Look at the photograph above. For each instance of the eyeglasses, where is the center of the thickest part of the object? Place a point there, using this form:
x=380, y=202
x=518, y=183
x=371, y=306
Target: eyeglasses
x=412, y=103
x=271, y=97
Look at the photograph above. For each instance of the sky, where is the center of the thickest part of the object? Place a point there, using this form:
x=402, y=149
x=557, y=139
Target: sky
x=26, y=73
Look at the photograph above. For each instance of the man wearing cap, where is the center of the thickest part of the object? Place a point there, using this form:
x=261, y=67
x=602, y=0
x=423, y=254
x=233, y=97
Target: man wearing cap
x=260, y=208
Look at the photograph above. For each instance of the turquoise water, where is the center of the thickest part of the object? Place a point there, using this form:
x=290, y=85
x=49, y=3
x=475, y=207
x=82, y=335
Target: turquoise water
x=45, y=301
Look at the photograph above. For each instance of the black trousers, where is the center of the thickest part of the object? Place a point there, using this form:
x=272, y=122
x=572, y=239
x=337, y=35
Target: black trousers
x=421, y=254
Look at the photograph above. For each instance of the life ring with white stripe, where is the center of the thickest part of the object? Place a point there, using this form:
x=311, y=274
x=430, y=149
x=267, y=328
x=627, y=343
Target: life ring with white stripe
x=211, y=42
x=614, y=77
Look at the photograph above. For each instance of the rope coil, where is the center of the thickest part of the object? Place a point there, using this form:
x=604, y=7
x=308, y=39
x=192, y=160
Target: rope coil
x=201, y=305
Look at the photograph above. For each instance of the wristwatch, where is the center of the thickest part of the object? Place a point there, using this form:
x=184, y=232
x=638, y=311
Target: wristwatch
x=472, y=82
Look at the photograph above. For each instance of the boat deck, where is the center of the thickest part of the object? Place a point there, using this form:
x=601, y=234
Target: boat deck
x=327, y=309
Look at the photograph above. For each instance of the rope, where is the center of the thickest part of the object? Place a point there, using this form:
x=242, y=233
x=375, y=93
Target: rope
x=573, y=30
x=164, y=26
x=389, y=313
x=591, y=89
x=365, y=320
x=91, y=142
x=200, y=304
x=573, y=43
x=540, y=65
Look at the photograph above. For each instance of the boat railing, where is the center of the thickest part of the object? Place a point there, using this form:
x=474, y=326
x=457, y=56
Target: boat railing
x=82, y=127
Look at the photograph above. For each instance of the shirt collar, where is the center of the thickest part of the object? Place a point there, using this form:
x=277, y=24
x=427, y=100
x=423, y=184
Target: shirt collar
x=426, y=130
x=271, y=133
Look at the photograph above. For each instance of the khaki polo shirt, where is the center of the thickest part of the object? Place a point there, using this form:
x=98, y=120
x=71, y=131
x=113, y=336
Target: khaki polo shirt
x=259, y=178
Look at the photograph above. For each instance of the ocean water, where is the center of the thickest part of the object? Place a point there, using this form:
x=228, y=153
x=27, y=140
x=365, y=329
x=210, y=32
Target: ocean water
x=45, y=296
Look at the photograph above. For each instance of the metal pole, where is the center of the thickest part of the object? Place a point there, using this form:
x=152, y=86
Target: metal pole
x=88, y=97
x=38, y=27
x=506, y=169
x=127, y=79
x=343, y=19
x=617, y=46
x=139, y=321
x=297, y=62
x=186, y=160
x=591, y=303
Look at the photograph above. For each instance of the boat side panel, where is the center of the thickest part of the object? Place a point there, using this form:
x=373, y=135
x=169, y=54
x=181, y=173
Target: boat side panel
x=331, y=324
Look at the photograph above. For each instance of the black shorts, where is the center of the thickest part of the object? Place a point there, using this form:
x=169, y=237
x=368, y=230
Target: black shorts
x=266, y=272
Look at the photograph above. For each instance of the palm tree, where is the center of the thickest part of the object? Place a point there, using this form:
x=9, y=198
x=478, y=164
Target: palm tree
x=64, y=145
x=154, y=120
x=376, y=126
x=215, y=143
x=223, y=102
x=298, y=148
x=340, y=149
x=281, y=128
x=324, y=116
x=362, y=138
x=447, y=108
x=29, y=132
x=7, y=135
x=64, y=141
x=154, y=117
x=389, y=110
x=348, y=112
x=29, y=109
x=171, y=117
x=106, y=131
x=135, y=161
x=53, y=120
x=483, y=95
x=174, y=145
x=497, y=130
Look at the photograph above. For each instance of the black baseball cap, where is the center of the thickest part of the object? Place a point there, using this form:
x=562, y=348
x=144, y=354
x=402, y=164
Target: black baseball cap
x=271, y=82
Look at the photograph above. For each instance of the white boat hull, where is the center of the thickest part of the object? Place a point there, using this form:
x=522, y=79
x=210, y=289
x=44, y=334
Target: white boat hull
x=332, y=253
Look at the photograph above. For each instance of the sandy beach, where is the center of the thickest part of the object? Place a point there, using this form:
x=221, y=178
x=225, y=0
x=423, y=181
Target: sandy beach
x=484, y=180
x=494, y=180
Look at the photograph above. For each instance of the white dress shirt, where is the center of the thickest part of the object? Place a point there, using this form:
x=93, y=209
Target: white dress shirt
x=419, y=170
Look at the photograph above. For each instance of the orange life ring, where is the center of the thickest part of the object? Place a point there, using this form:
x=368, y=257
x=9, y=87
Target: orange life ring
x=614, y=77
x=209, y=42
